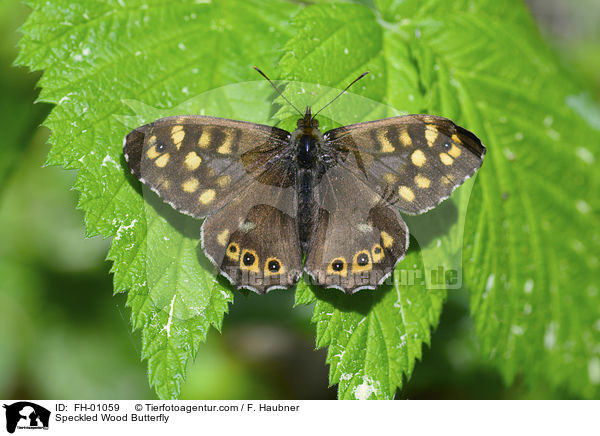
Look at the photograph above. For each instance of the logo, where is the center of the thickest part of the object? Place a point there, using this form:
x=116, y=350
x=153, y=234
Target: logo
x=26, y=415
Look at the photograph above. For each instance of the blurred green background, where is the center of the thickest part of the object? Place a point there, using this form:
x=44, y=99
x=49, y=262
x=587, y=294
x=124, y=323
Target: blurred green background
x=64, y=336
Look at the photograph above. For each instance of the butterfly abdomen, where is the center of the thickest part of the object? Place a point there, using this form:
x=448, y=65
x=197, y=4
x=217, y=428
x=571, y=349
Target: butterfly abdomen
x=306, y=161
x=307, y=206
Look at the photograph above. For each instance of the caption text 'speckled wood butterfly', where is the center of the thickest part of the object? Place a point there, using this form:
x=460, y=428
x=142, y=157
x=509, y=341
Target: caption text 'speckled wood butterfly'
x=278, y=203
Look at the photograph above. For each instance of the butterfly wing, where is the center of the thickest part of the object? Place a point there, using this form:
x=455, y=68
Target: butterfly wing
x=238, y=174
x=199, y=164
x=253, y=240
x=358, y=239
x=415, y=161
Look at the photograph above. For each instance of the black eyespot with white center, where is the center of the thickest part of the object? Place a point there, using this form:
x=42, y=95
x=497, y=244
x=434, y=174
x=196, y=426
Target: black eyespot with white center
x=362, y=259
x=274, y=266
x=161, y=146
x=337, y=265
x=249, y=259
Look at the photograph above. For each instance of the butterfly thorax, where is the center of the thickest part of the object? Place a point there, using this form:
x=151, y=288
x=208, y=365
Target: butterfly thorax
x=306, y=138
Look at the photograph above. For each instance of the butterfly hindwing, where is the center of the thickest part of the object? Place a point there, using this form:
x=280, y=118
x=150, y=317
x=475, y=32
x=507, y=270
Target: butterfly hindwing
x=358, y=237
x=253, y=240
x=198, y=164
x=415, y=161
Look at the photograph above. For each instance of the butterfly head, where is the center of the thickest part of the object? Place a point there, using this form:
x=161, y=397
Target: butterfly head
x=308, y=121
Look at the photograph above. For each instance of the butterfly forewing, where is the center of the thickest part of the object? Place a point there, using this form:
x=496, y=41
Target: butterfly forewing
x=199, y=164
x=414, y=161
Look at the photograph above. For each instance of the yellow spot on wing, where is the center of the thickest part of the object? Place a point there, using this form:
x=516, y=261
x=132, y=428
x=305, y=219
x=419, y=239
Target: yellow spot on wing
x=177, y=135
x=446, y=159
x=163, y=184
x=162, y=161
x=431, y=135
x=456, y=139
x=405, y=139
x=207, y=196
x=192, y=160
x=454, y=151
x=178, y=138
x=223, y=181
x=422, y=181
x=406, y=193
x=152, y=140
x=386, y=145
x=387, y=239
x=377, y=252
x=204, y=140
x=223, y=237
x=152, y=153
x=233, y=251
x=391, y=178
x=225, y=148
x=190, y=185
x=418, y=158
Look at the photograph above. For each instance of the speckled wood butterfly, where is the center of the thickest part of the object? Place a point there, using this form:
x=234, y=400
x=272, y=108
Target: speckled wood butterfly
x=277, y=203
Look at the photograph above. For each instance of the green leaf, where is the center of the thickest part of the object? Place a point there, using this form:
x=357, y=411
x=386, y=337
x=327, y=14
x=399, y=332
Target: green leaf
x=531, y=239
x=373, y=338
x=532, y=243
x=98, y=55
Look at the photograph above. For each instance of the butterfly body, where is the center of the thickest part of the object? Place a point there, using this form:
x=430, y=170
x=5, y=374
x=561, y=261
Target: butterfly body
x=280, y=203
x=307, y=140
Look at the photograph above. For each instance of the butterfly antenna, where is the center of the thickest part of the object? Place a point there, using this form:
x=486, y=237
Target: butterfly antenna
x=278, y=91
x=345, y=89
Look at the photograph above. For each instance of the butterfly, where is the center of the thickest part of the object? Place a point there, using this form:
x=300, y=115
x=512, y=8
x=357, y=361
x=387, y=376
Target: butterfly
x=278, y=203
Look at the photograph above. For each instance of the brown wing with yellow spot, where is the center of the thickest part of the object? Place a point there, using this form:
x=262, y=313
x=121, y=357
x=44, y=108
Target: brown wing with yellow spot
x=414, y=161
x=199, y=164
x=358, y=239
x=253, y=240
